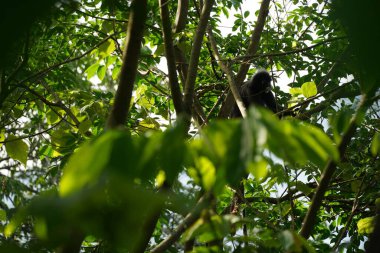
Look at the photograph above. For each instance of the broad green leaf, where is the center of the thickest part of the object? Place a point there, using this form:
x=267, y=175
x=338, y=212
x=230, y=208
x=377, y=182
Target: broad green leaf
x=293, y=242
x=52, y=117
x=3, y=215
x=2, y=137
x=375, y=145
x=259, y=169
x=17, y=149
x=318, y=146
x=366, y=225
x=101, y=72
x=92, y=70
x=148, y=124
x=40, y=228
x=85, y=126
x=309, y=89
x=110, y=60
x=91, y=160
x=302, y=187
x=14, y=223
x=106, y=48
x=223, y=139
x=159, y=50
x=295, y=91
x=340, y=122
x=160, y=178
x=207, y=172
x=140, y=91
x=115, y=72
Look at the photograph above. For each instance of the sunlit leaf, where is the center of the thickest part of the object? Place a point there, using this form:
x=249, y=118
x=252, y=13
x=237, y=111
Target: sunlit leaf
x=87, y=164
x=309, y=89
x=258, y=169
x=295, y=91
x=115, y=72
x=92, y=70
x=52, y=117
x=101, y=72
x=160, y=179
x=207, y=172
x=17, y=149
x=366, y=225
x=85, y=126
x=106, y=48
x=375, y=145
x=2, y=137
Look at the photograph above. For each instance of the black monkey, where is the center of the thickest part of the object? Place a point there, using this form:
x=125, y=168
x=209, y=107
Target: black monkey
x=256, y=91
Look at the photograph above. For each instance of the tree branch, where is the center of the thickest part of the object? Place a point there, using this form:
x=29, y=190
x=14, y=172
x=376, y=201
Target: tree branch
x=227, y=70
x=128, y=71
x=190, y=219
x=252, y=49
x=310, y=218
x=194, y=60
x=44, y=71
x=181, y=15
x=170, y=57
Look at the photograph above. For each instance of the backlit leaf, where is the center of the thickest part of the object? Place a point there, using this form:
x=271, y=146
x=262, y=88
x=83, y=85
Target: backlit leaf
x=366, y=225
x=309, y=89
x=17, y=149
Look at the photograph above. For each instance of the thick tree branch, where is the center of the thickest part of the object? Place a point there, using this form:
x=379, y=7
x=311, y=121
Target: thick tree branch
x=128, y=71
x=310, y=218
x=181, y=16
x=227, y=70
x=170, y=57
x=194, y=60
x=252, y=49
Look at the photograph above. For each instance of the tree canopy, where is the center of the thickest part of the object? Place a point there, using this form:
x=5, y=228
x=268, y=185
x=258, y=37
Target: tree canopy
x=115, y=133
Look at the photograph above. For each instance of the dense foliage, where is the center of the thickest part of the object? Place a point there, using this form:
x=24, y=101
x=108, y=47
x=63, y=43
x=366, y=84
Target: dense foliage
x=159, y=167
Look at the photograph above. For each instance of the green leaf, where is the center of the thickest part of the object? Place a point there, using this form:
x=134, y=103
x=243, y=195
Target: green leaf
x=375, y=145
x=85, y=126
x=292, y=242
x=160, y=50
x=340, y=122
x=295, y=91
x=259, y=169
x=3, y=215
x=115, y=72
x=87, y=164
x=101, y=72
x=377, y=204
x=52, y=117
x=309, y=89
x=366, y=225
x=2, y=137
x=110, y=60
x=106, y=48
x=207, y=172
x=40, y=227
x=92, y=70
x=17, y=149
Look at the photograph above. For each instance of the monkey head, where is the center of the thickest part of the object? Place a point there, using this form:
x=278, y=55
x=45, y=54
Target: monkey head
x=260, y=82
